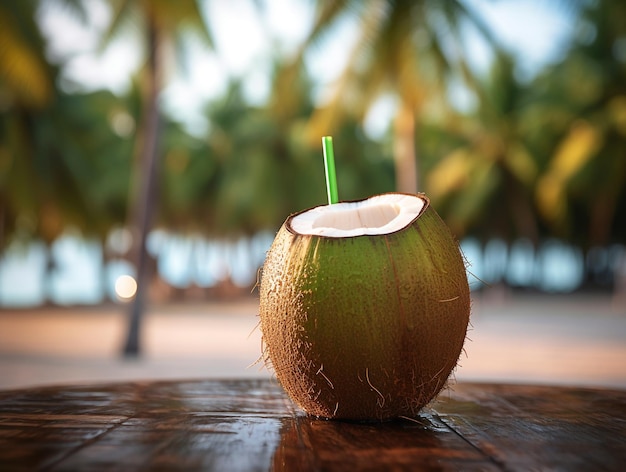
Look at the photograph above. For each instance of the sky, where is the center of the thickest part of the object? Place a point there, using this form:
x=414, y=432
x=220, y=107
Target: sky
x=246, y=39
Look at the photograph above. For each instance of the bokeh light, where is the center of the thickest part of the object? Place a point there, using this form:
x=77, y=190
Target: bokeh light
x=125, y=287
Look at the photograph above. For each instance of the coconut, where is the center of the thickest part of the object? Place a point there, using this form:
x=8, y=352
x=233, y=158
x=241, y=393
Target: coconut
x=364, y=307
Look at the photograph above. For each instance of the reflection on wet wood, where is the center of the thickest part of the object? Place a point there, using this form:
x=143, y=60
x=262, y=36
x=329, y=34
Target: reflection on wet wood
x=251, y=425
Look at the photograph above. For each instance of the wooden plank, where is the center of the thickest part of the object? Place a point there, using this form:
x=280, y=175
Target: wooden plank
x=251, y=425
x=426, y=444
x=525, y=427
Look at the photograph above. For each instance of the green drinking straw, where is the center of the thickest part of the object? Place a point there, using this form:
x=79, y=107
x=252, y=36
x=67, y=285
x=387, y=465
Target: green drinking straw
x=329, y=166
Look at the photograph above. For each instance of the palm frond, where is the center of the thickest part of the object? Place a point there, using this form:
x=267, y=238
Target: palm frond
x=23, y=67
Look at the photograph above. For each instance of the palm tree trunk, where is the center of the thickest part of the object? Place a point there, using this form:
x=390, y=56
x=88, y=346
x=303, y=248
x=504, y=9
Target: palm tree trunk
x=3, y=213
x=144, y=203
x=404, y=150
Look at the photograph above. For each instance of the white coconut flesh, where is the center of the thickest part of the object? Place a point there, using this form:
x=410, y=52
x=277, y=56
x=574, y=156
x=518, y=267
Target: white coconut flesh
x=381, y=214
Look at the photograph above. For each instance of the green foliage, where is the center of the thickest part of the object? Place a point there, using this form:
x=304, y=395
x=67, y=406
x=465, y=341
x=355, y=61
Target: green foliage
x=537, y=159
x=544, y=158
x=481, y=183
x=256, y=167
x=581, y=132
x=26, y=76
x=65, y=166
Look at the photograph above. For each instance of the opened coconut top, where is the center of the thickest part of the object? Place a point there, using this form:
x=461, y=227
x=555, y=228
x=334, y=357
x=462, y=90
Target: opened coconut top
x=381, y=214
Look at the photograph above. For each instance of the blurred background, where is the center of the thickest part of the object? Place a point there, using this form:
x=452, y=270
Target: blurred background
x=150, y=149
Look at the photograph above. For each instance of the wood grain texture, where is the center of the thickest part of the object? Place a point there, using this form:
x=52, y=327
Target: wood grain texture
x=247, y=425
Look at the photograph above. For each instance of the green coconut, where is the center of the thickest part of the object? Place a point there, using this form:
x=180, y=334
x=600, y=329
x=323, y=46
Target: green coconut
x=364, y=307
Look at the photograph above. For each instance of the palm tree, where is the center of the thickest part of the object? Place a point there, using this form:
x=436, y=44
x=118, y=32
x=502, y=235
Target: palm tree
x=28, y=191
x=25, y=73
x=483, y=184
x=56, y=147
x=26, y=84
x=161, y=22
x=265, y=169
x=409, y=48
x=581, y=111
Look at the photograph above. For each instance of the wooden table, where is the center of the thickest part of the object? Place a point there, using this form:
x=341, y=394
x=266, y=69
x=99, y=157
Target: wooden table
x=248, y=425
